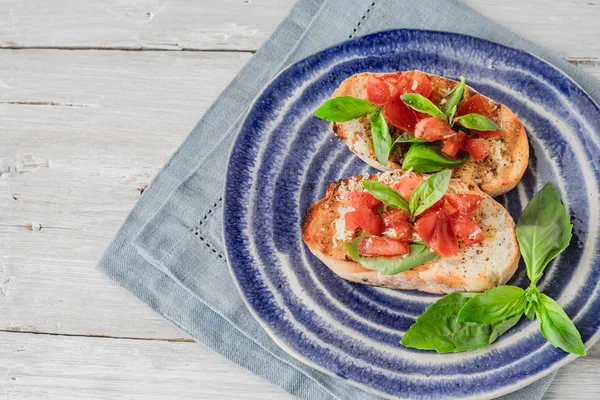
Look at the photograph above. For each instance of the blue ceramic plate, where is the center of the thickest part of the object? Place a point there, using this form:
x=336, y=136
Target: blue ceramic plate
x=284, y=158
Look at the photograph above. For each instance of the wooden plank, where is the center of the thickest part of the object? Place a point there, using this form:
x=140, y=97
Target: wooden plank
x=72, y=173
x=567, y=27
x=140, y=24
x=55, y=367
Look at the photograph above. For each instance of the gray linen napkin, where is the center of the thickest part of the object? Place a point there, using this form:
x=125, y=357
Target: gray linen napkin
x=169, y=252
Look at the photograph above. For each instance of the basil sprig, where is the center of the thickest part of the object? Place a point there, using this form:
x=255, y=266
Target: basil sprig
x=419, y=255
x=543, y=231
x=471, y=121
x=429, y=192
x=424, y=196
x=347, y=108
x=427, y=157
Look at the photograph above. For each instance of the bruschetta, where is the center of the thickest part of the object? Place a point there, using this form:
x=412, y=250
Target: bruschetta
x=496, y=159
x=469, y=237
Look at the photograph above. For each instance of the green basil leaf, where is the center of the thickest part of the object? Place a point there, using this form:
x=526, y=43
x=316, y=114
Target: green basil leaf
x=419, y=255
x=451, y=116
x=493, y=306
x=543, y=231
x=408, y=138
x=453, y=98
x=499, y=329
x=477, y=122
x=345, y=108
x=383, y=192
x=437, y=328
x=426, y=157
x=557, y=328
x=382, y=141
x=428, y=192
x=422, y=104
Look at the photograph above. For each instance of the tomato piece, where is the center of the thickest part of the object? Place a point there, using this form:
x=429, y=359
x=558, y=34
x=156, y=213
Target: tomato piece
x=443, y=241
x=467, y=229
x=406, y=186
x=421, y=85
x=432, y=129
x=360, y=200
x=477, y=148
x=454, y=143
x=448, y=208
x=425, y=225
x=474, y=105
x=400, y=115
x=464, y=203
x=435, y=228
x=376, y=246
x=378, y=91
x=400, y=231
x=365, y=218
x=394, y=217
x=398, y=84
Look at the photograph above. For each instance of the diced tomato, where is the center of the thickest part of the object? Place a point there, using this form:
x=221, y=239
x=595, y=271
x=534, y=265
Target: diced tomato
x=406, y=186
x=376, y=246
x=477, y=148
x=378, y=91
x=443, y=241
x=448, y=208
x=467, y=229
x=425, y=225
x=400, y=115
x=386, y=90
x=474, y=105
x=421, y=85
x=365, y=218
x=400, y=231
x=394, y=217
x=432, y=129
x=464, y=203
x=361, y=199
x=454, y=143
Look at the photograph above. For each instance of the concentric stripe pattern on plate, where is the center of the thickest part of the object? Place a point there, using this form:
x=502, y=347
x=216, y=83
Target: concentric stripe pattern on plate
x=284, y=159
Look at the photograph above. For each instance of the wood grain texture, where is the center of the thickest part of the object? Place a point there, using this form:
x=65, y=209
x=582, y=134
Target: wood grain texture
x=43, y=367
x=245, y=24
x=140, y=24
x=71, y=173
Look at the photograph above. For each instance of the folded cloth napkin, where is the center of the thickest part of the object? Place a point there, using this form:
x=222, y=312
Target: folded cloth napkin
x=169, y=252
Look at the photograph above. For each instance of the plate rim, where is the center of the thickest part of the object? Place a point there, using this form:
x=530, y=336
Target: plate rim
x=303, y=359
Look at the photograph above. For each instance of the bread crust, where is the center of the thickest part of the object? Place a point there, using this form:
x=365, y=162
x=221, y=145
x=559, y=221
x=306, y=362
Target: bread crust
x=474, y=269
x=496, y=174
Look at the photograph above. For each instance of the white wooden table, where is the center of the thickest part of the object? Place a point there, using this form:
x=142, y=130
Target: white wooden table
x=93, y=100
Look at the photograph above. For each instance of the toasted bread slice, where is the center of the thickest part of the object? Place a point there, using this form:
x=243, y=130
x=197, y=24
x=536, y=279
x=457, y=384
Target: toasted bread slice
x=496, y=174
x=474, y=269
